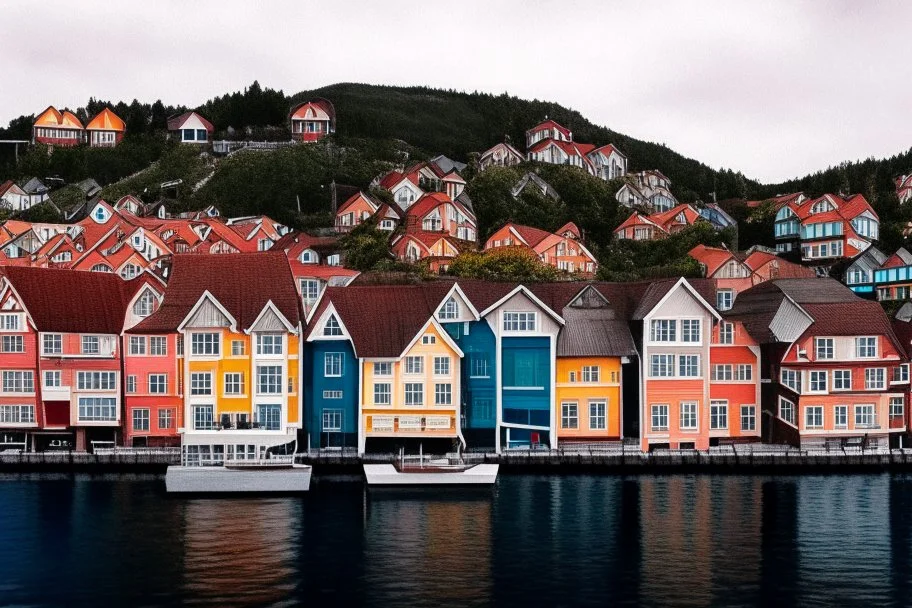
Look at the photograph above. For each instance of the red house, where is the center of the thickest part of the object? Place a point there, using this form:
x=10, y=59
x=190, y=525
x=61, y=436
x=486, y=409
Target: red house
x=313, y=120
x=56, y=128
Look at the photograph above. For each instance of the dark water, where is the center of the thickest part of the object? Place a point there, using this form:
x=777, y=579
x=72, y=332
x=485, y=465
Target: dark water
x=534, y=541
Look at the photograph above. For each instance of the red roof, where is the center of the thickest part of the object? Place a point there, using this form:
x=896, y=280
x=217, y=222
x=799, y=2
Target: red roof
x=241, y=282
x=176, y=122
x=5, y=186
x=549, y=124
x=785, y=270
x=607, y=149
x=711, y=257
x=427, y=203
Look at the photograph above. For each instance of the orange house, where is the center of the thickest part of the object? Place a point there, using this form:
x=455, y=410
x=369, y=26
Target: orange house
x=562, y=249
x=356, y=210
x=56, y=128
x=435, y=247
x=106, y=130
x=639, y=227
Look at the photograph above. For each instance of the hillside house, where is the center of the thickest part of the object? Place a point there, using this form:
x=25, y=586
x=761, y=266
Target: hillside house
x=190, y=128
x=55, y=128
x=562, y=249
x=500, y=155
x=312, y=120
x=106, y=130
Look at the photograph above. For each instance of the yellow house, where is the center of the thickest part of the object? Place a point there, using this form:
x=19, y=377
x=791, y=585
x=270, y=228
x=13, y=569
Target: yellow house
x=591, y=349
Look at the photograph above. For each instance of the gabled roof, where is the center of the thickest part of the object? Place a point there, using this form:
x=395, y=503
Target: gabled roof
x=592, y=328
x=713, y=258
x=550, y=124
x=606, y=150
x=704, y=289
x=533, y=178
x=315, y=109
x=106, y=120
x=785, y=269
x=51, y=117
x=900, y=258
x=176, y=122
x=373, y=203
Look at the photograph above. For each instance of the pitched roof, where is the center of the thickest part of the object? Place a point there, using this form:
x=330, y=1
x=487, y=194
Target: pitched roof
x=594, y=332
x=657, y=290
x=176, y=122
x=106, y=120
x=713, y=258
x=549, y=124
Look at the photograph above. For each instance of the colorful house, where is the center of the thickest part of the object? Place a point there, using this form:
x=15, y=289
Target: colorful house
x=562, y=249
x=903, y=188
x=436, y=249
x=500, y=155
x=190, y=128
x=608, y=162
x=893, y=279
x=639, y=227
x=315, y=264
x=827, y=228
x=55, y=128
x=648, y=189
x=312, y=120
x=355, y=210
x=437, y=212
x=106, y=130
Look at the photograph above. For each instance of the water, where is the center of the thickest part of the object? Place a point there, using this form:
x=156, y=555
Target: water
x=534, y=541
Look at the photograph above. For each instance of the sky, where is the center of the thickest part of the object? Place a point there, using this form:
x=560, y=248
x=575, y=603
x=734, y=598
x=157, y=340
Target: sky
x=774, y=89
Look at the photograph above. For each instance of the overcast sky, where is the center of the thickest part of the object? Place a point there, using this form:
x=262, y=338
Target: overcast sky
x=775, y=89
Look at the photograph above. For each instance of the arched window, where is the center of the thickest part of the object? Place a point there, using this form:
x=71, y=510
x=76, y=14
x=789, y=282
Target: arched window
x=102, y=268
x=145, y=305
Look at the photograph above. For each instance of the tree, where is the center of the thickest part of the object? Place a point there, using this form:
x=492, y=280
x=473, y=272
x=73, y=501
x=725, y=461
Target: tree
x=365, y=247
x=502, y=264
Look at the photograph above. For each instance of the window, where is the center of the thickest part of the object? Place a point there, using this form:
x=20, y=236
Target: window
x=131, y=384
x=569, y=415
x=689, y=366
x=270, y=416
x=724, y=299
x=598, y=415
x=269, y=379
x=13, y=344
x=478, y=365
x=841, y=416
x=659, y=417
x=823, y=347
x=787, y=410
x=332, y=365
x=722, y=372
x=166, y=419
x=688, y=415
x=429, y=339
x=332, y=327
x=661, y=366
x=813, y=417
x=864, y=416
x=690, y=330
x=591, y=373
x=310, y=290
x=269, y=344
x=842, y=379
x=158, y=384
x=383, y=393
x=141, y=419
x=9, y=322
x=202, y=418
x=414, y=393
x=414, y=365
x=748, y=418
x=96, y=381
x=52, y=379
x=237, y=348
x=441, y=366
x=900, y=374
x=817, y=382
x=332, y=421
x=204, y=344
x=137, y=345
x=866, y=347
x=663, y=330
x=718, y=415
x=234, y=383
x=17, y=414
x=443, y=394
x=519, y=321
x=450, y=310
x=726, y=333
x=745, y=373
x=158, y=346
x=383, y=368
x=332, y=394
x=792, y=379
x=52, y=344
x=200, y=383
x=90, y=345
x=896, y=407
x=97, y=409
x=145, y=305
x=875, y=379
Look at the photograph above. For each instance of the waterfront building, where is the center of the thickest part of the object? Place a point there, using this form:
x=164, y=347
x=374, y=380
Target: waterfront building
x=562, y=249
x=106, y=130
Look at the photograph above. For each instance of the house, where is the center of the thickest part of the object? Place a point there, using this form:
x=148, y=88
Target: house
x=403, y=185
x=826, y=229
x=562, y=249
x=190, y=128
x=545, y=130
x=718, y=217
x=68, y=385
x=235, y=322
x=436, y=249
x=36, y=189
x=561, y=152
x=859, y=275
x=312, y=120
x=648, y=189
x=731, y=274
x=356, y=210
x=835, y=375
x=13, y=197
x=106, y=130
x=315, y=264
x=537, y=184
x=608, y=162
x=700, y=382
x=767, y=266
x=55, y=128
x=904, y=188
x=500, y=155
x=640, y=227
x=438, y=212
x=893, y=279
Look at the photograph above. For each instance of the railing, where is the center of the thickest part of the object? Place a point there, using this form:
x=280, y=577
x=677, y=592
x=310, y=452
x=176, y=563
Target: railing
x=229, y=147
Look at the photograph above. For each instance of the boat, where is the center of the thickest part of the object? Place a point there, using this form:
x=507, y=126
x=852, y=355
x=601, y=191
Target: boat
x=430, y=472
x=276, y=474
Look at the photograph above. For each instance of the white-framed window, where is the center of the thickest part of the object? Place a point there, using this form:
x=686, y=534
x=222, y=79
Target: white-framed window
x=12, y=344
x=429, y=339
x=841, y=416
x=689, y=366
x=332, y=394
x=383, y=369
x=166, y=418
x=745, y=372
x=864, y=416
x=332, y=421
x=96, y=381
x=791, y=378
x=866, y=347
x=269, y=344
x=234, y=383
x=842, y=379
x=145, y=305
x=17, y=414
x=726, y=333
x=158, y=346
x=748, y=418
x=478, y=365
x=131, y=383
x=442, y=366
x=10, y=322
x=137, y=345
x=813, y=417
x=205, y=344
x=875, y=379
x=90, y=345
x=823, y=348
x=269, y=379
x=724, y=299
x=158, y=384
x=690, y=330
x=786, y=410
x=332, y=365
x=718, y=415
x=310, y=290
x=449, y=310
x=383, y=393
x=663, y=330
x=97, y=409
x=900, y=374
x=591, y=373
x=598, y=414
x=688, y=415
x=519, y=321
x=661, y=366
x=237, y=348
x=817, y=381
x=332, y=327
x=141, y=419
x=414, y=364
x=443, y=394
x=722, y=372
x=659, y=417
x=200, y=383
x=897, y=407
x=414, y=393
x=53, y=379
x=569, y=415
x=202, y=418
x=52, y=344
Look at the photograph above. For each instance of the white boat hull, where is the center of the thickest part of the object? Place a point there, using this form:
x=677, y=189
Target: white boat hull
x=248, y=480
x=389, y=475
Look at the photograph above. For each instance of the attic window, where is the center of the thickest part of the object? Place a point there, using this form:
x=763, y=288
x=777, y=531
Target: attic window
x=102, y=268
x=332, y=327
x=450, y=309
x=100, y=215
x=308, y=257
x=145, y=305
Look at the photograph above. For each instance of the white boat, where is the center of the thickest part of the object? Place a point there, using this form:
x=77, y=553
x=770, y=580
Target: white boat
x=430, y=474
x=274, y=475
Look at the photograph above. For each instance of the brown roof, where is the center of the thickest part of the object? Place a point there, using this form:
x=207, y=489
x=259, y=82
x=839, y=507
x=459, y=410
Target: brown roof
x=594, y=332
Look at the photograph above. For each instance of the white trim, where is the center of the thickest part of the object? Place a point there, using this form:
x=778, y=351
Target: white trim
x=524, y=290
x=446, y=338
x=270, y=306
x=207, y=295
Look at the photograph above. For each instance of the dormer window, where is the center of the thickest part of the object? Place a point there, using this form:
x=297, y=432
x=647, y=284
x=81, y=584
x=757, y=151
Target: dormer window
x=145, y=305
x=332, y=327
x=100, y=215
x=129, y=271
x=450, y=310
x=308, y=256
x=822, y=207
x=102, y=268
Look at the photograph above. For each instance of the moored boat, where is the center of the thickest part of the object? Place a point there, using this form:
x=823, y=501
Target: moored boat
x=430, y=473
